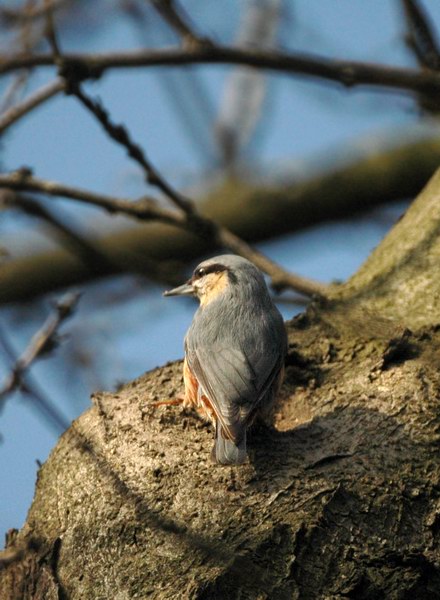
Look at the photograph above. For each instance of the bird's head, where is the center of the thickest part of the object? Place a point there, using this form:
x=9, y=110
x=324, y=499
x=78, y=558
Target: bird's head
x=215, y=276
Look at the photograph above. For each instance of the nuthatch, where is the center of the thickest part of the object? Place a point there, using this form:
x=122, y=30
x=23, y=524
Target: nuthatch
x=234, y=350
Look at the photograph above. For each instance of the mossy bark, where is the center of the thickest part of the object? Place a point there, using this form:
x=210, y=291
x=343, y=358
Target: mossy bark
x=340, y=500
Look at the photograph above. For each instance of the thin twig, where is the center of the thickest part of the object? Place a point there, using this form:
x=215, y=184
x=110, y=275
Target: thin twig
x=53, y=417
x=147, y=209
x=20, y=80
x=49, y=31
x=422, y=38
x=176, y=17
x=199, y=225
x=40, y=343
x=18, y=111
x=144, y=209
x=86, y=249
x=185, y=90
x=346, y=73
x=120, y=135
x=280, y=278
x=13, y=16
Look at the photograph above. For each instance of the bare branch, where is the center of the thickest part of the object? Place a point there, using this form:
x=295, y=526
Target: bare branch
x=18, y=111
x=203, y=227
x=147, y=209
x=15, y=87
x=346, y=73
x=143, y=209
x=253, y=211
x=176, y=17
x=206, y=228
x=49, y=31
x=119, y=134
x=422, y=38
x=90, y=253
x=185, y=88
x=51, y=414
x=41, y=342
x=13, y=16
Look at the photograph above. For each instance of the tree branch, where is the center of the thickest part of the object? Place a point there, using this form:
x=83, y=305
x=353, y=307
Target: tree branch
x=120, y=135
x=51, y=414
x=180, y=22
x=13, y=16
x=14, y=88
x=346, y=73
x=201, y=226
x=42, y=341
x=148, y=210
x=143, y=209
x=251, y=210
x=422, y=38
x=70, y=239
x=18, y=111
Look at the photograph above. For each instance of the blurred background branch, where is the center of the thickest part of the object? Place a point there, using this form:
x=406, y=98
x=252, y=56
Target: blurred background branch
x=176, y=17
x=195, y=223
x=241, y=108
x=16, y=112
x=254, y=211
x=47, y=410
x=42, y=343
x=30, y=12
x=421, y=37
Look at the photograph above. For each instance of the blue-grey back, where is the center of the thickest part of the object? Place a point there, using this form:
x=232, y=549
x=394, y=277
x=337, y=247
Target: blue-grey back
x=239, y=339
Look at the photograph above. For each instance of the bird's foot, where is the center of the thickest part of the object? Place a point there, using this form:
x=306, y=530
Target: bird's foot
x=171, y=401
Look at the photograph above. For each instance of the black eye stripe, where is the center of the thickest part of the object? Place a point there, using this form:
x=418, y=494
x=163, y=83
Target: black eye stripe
x=202, y=271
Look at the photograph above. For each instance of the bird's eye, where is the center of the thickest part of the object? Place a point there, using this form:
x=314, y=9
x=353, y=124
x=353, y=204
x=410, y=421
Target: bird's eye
x=200, y=273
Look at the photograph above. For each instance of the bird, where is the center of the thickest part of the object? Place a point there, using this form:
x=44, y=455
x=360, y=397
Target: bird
x=235, y=351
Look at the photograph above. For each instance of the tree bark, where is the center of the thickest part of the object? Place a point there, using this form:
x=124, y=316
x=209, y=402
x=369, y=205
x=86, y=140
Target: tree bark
x=251, y=210
x=340, y=500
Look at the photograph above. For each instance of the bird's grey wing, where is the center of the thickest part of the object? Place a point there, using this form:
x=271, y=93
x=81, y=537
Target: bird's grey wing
x=232, y=385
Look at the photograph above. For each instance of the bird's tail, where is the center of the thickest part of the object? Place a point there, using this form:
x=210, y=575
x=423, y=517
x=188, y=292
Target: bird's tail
x=229, y=452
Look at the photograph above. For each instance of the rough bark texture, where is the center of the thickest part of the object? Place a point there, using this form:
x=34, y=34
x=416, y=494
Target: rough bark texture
x=341, y=500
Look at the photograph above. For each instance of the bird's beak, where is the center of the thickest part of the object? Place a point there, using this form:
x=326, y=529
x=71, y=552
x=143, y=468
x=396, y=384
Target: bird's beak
x=187, y=289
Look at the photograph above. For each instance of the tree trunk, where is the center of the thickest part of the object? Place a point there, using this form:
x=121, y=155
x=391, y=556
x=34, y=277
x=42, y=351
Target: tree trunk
x=341, y=500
